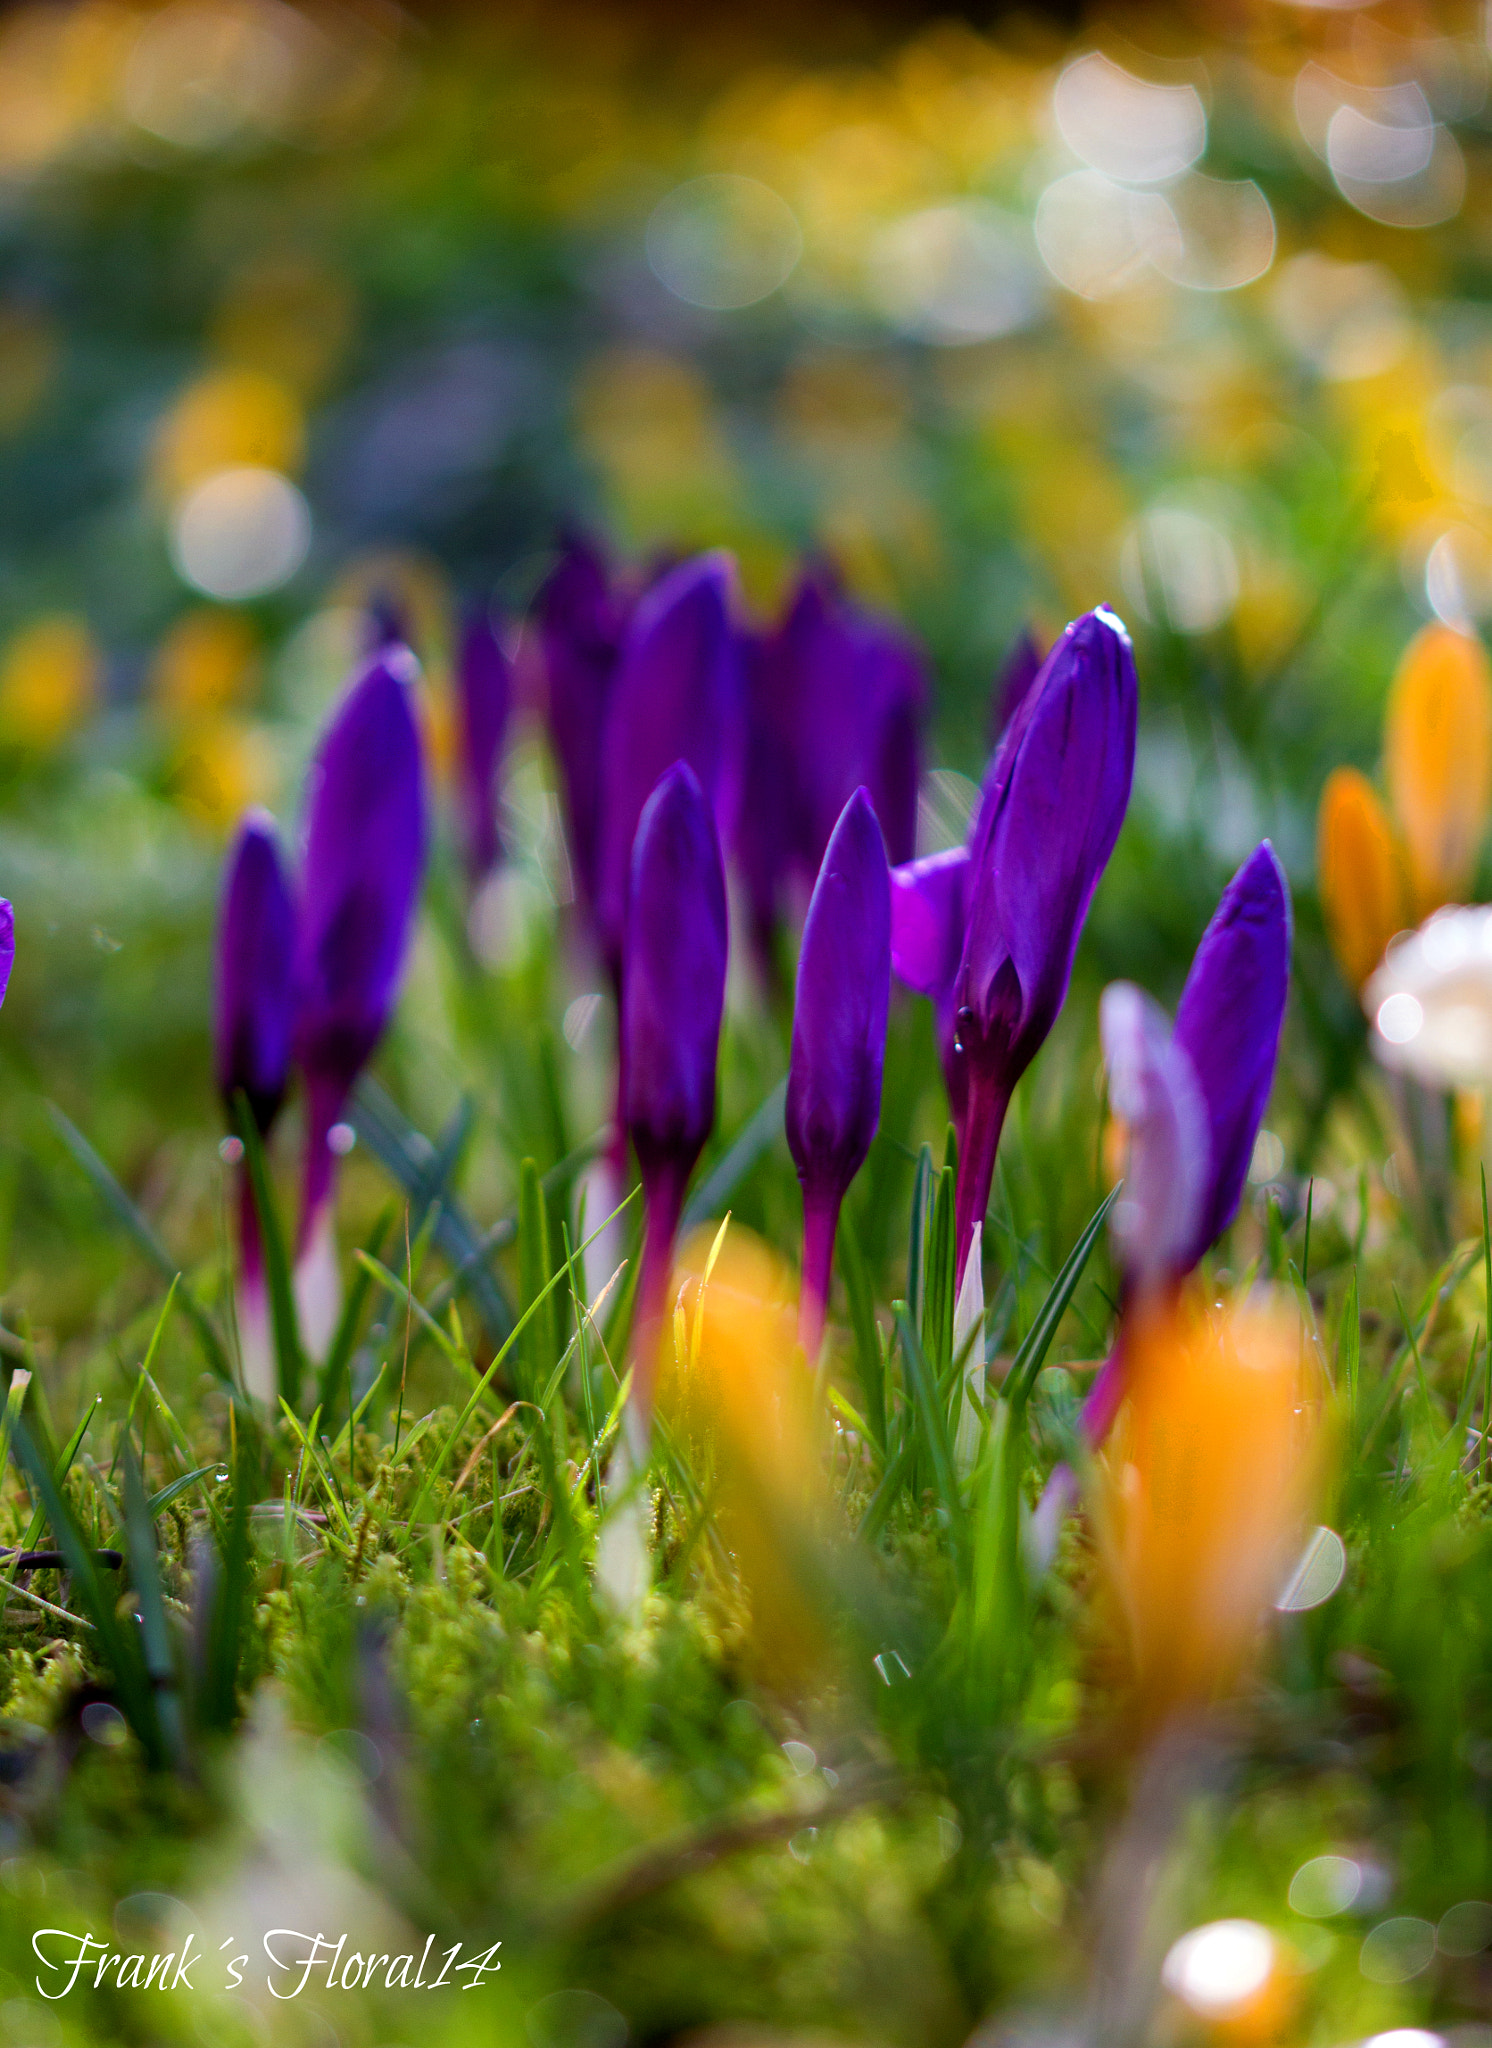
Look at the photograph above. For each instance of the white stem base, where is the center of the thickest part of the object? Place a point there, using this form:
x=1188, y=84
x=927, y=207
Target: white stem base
x=318, y=1289
x=968, y=1323
x=256, y=1346
x=624, y=1567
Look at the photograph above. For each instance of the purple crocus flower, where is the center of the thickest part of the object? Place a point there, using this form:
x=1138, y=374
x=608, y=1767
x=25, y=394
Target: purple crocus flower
x=675, y=698
x=7, y=944
x=839, y=1040
x=1057, y=797
x=1053, y=801
x=581, y=623
x=364, y=854
x=834, y=702
x=673, y=997
x=254, y=1024
x=1193, y=1098
x=484, y=689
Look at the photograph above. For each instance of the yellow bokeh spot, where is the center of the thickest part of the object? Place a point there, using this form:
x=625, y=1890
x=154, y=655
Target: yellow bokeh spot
x=288, y=320
x=220, y=767
x=50, y=678
x=28, y=357
x=1438, y=760
x=227, y=418
x=207, y=661
x=1359, y=872
x=647, y=420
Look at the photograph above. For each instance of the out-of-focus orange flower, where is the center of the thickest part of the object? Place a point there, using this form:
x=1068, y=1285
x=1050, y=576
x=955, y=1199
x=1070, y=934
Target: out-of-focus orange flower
x=1360, y=872
x=50, y=677
x=225, y=419
x=1438, y=758
x=737, y=1382
x=205, y=663
x=1209, y=1481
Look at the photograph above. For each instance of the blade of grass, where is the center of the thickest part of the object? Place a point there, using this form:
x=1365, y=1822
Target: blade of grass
x=750, y=1144
x=155, y=1638
x=129, y=1215
x=927, y=1407
x=344, y=1343
x=1031, y=1356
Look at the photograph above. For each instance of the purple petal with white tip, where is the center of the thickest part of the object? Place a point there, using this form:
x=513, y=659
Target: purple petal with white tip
x=1153, y=1089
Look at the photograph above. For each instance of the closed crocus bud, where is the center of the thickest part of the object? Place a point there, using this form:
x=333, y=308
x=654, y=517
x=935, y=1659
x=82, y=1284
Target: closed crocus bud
x=1359, y=873
x=484, y=686
x=7, y=945
x=1193, y=1099
x=839, y=1040
x=1051, y=812
x=1437, y=746
x=676, y=698
x=1209, y=1495
x=254, y=1024
x=673, y=997
x=364, y=856
x=581, y=621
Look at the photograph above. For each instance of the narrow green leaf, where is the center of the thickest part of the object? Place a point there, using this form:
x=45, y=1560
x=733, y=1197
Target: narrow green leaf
x=1038, y=1339
x=927, y=1406
x=129, y=1215
x=344, y=1343
x=159, y=1502
x=870, y=1364
x=751, y=1143
x=1349, y=1343
x=155, y=1638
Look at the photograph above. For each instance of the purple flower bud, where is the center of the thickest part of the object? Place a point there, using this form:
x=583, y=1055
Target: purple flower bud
x=484, y=684
x=834, y=703
x=7, y=945
x=929, y=913
x=255, y=1009
x=1229, y=1020
x=1052, y=809
x=839, y=1039
x=581, y=621
x=673, y=996
x=676, y=698
x=364, y=853
x=1193, y=1099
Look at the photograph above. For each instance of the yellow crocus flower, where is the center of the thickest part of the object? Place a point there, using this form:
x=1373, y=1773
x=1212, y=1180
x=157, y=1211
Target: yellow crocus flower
x=1438, y=759
x=1360, y=873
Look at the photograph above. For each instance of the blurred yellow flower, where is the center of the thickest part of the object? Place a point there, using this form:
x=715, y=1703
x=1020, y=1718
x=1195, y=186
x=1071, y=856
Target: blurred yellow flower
x=1360, y=872
x=50, y=678
x=220, y=767
x=286, y=318
x=206, y=662
x=1438, y=759
x=647, y=419
x=225, y=419
x=1207, y=1490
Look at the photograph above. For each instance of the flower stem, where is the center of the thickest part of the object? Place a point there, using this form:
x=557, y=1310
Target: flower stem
x=984, y=1119
x=820, y=1223
x=663, y=1182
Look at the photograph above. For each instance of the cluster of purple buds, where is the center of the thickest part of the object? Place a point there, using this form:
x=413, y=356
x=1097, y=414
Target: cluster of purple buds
x=989, y=930
x=1192, y=1098
x=308, y=969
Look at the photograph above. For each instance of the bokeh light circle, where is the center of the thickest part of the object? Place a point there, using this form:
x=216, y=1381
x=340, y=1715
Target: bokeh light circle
x=240, y=533
x=723, y=241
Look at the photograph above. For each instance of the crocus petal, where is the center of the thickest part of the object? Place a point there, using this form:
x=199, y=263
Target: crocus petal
x=676, y=698
x=1154, y=1090
x=1047, y=827
x=765, y=831
x=364, y=854
x=927, y=920
x=839, y=1018
x=485, y=693
x=580, y=631
x=1359, y=872
x=1228, y=1022
x=255, y=994
x=1438, y=756
x=673, y=993
x=7, y=944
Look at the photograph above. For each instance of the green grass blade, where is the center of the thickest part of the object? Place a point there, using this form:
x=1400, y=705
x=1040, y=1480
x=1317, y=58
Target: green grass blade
x=344, y=1343
x=932, y=1424
x=155, y=1636
x=127, y=1213
x=1038, y=1339
x=870, y=1365
x=751, y=1143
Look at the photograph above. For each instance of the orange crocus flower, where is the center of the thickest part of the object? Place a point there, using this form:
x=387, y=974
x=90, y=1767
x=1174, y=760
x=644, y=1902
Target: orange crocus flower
x=1360, y=871
x=1209, y=1481
x=1438, y=759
